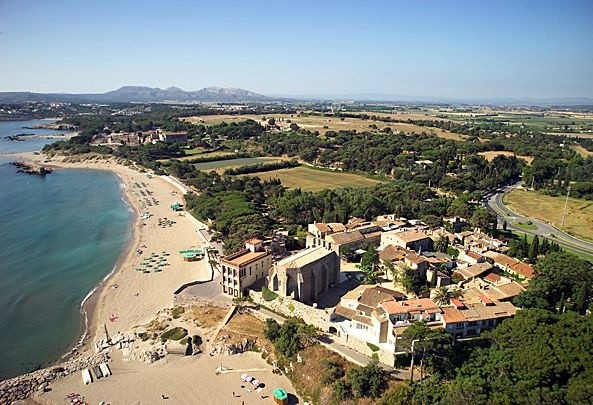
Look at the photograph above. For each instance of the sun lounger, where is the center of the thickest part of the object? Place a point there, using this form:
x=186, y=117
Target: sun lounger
x=86, y=376
x=105, y=369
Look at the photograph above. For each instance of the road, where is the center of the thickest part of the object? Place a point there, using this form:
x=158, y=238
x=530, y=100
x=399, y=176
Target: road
x=494, y=201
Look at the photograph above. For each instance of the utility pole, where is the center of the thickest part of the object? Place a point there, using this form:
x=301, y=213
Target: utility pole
x=565, y=205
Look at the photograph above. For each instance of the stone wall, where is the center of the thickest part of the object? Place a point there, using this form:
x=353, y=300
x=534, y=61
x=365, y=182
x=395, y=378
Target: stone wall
x=386, y=357
x=289, y=307
x=182, y=299
x=23, y=386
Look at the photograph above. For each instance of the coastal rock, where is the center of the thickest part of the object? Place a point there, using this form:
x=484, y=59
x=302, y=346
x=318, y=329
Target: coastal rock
x=21, y=387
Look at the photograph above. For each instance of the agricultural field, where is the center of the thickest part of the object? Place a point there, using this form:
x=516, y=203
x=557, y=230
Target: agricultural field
x=490, y=155
x=220, y=165
x=579, y=213
x=325, y=124
x=310, y=179
x=195, y=153
x=582, y=151
x=554, y=122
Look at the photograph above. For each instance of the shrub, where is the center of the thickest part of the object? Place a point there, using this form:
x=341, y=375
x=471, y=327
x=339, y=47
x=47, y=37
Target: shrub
x=373, y=347
x=332, y=373
x=342, y=390
x=177, y=311
x=269, y=295
x=174, y=334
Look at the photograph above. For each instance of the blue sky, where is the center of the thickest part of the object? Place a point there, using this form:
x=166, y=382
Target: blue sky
x=476, y=49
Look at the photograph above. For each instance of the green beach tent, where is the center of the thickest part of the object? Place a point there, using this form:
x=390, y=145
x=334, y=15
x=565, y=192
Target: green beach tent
x=280, y=396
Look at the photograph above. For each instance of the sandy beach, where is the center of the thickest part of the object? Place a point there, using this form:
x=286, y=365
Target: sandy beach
x=182, y=380
x=131, y=298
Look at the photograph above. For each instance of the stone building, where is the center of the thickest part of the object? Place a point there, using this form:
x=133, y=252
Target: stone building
x=305, y=275
x=245, y=267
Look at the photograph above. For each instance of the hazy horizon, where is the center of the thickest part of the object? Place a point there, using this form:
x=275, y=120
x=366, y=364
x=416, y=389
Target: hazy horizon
x=461, y=50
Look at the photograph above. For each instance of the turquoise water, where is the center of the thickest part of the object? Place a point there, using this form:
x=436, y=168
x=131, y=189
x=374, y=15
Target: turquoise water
x=59, y=236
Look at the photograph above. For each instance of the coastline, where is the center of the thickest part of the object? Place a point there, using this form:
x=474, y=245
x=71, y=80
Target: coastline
x=88, y=304
x=100, y=304
x=126, y=301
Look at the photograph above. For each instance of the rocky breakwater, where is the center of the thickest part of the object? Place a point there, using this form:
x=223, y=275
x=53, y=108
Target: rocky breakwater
x=23, y=386
x=31, y=168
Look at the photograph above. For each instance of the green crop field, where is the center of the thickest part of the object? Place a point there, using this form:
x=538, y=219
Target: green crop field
x=226, y=164
x=309, y=179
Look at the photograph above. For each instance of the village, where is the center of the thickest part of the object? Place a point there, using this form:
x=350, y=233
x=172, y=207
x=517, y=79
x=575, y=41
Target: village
x=447, y=277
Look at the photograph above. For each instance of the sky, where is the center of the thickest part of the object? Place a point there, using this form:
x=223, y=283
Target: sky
x=424, y=48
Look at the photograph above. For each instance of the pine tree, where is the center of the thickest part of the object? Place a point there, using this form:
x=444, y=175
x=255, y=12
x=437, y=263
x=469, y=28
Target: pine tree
x=534, y=249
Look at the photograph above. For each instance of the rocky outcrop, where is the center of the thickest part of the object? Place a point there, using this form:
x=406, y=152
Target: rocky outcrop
x=23, y=386
x=30, y=168
x=233, y=348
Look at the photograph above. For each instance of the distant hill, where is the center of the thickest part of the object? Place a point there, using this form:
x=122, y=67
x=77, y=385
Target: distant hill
x=141, y=94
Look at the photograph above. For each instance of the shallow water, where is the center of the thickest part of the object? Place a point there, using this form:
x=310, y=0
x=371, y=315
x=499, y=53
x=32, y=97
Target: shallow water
x=59, y=236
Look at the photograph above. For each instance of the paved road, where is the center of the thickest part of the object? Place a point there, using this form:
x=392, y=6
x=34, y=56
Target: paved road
x=495, y=203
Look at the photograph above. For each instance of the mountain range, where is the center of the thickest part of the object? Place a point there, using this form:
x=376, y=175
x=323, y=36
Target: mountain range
x=141, y=94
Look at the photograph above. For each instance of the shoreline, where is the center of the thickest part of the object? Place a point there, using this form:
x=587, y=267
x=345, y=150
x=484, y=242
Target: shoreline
x=88, y=304
x=100, y=304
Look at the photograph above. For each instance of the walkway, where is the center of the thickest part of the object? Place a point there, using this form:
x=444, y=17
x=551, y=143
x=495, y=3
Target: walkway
x=346, y=352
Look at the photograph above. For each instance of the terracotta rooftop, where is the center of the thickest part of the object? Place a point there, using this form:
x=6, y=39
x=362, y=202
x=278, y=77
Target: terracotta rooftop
x=410, y=236
x=526, y=270
x=373, y=296
x=479, y=312
x=402, y=307
x=474, y=270
x=392, y=253
x=452, y=315
x=501, y=259
x=492, y=277
x=243, y=258
x=474, y=255
x=345, y=237
x=254, y=241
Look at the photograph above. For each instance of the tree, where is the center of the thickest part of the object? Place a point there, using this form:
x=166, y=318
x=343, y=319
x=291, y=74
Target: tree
x=390, y=268
x=504, y=225
x=559, y=276
x=533, y=249
x=442, y=244
x=483, y=219
x=368, y=381
x=444, y=295
x=332, y=373
x=271, y=330
x=342, y=390
x=369, y=258
x=272, y=121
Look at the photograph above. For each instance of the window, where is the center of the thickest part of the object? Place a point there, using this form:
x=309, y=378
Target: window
x=361, y=326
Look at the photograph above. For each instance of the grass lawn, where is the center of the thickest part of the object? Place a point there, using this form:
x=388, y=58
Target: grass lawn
x=309, y=179
x=525, y=225
x=579, y=213
x=226, y=164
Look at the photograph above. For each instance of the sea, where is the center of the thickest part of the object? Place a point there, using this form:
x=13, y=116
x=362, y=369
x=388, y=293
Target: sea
x=60, y=235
